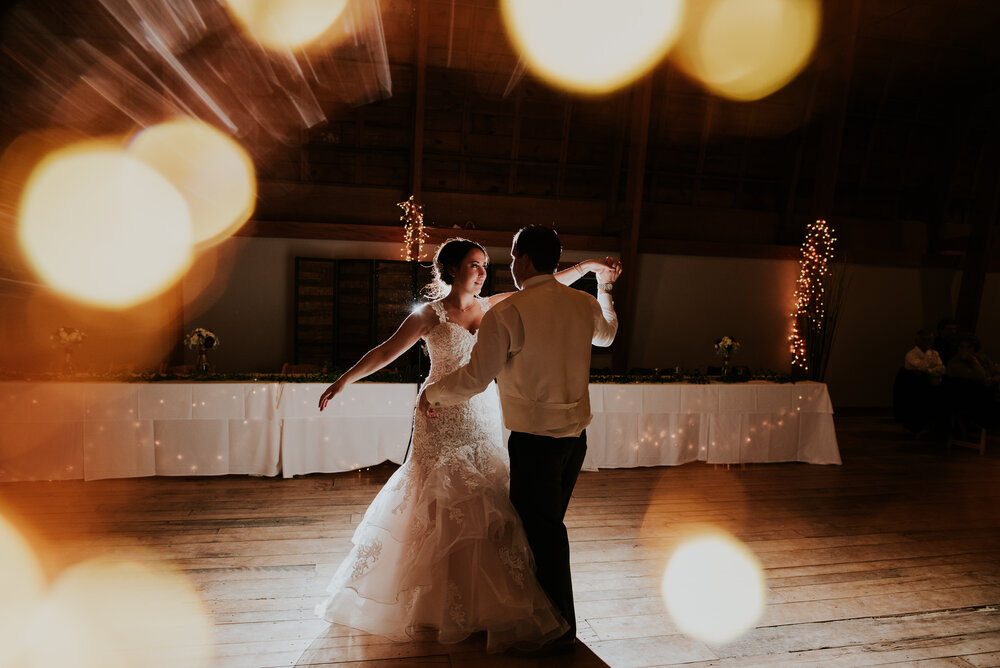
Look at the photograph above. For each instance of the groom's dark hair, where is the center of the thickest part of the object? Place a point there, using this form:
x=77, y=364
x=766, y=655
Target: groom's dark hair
x=541, y=244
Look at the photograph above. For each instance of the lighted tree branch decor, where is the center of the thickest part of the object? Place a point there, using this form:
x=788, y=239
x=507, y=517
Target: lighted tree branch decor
x=414, y=234
x=819, y=294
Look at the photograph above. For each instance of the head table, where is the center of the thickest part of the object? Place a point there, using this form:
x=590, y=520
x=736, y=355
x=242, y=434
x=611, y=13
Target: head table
x=73, y=430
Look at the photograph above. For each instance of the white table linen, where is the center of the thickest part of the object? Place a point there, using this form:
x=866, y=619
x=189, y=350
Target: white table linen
x=56, y=431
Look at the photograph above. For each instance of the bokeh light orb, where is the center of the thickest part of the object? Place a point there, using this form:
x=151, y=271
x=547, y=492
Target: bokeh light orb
x=713, y=587
x=592, y=46
x=288, y=24
x=22, y=583
x=213, y=173
x=102, y=227
x=748, y=50
x=104, y=614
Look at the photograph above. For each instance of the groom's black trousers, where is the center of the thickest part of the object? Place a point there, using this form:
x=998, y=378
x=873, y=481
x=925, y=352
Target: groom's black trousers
x=543, y=471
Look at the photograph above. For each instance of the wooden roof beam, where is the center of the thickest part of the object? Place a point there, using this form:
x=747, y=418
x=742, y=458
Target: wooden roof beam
x=642, y=95
x=419, y=100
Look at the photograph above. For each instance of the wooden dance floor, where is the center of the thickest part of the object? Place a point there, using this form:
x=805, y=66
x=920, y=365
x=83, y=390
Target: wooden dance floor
x=891, y=559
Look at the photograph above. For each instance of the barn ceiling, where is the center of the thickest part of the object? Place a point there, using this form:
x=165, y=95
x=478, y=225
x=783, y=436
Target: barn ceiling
x=884, y=132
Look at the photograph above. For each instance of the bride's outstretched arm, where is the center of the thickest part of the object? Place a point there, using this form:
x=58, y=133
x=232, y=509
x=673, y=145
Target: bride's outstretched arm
x=415, y=326
x=570, y=275
x=578, y=271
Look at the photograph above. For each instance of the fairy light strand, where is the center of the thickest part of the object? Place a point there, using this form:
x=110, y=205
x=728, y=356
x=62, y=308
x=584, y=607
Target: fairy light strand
x=414, y=233
x=810, y=304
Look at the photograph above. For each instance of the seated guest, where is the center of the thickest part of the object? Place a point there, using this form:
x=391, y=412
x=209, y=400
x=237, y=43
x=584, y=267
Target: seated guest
x=965, y=364
x=992, y=369
x=917, y=402
x=924, y=359
x=946, y=339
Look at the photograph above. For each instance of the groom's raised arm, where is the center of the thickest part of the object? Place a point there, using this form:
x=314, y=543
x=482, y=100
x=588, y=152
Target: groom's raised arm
x=605, y=320
x=488, y=357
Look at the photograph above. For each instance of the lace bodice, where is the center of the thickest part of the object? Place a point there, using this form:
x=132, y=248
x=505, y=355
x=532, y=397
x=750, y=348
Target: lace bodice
x=448, y=343
x=466, y=438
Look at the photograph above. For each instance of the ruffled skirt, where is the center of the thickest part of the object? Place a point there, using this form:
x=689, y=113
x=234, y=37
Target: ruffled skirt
x=441, y=554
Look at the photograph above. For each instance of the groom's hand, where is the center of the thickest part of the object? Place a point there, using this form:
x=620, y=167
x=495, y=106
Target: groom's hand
x=424, y=406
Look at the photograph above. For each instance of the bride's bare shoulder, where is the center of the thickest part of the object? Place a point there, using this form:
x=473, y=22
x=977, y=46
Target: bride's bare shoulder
x=427, y=313
x=499, y=297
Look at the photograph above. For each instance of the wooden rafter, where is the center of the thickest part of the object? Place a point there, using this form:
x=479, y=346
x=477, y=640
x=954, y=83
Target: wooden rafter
x=419, y=100
x=625, y=299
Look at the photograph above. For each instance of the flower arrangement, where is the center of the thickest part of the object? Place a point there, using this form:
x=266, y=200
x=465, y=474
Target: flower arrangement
x=66, y=336
x=201, y=338
x=726, y=346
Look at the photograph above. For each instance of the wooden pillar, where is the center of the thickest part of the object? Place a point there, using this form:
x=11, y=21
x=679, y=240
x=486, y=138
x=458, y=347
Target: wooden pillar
x=842, y=50
x=417, y=139
x=982, y=230
x=624, y=296
x=831, y=85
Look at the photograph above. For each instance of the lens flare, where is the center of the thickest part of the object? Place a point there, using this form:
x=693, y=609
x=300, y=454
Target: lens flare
x=713, y=587
x=110, y=615
x=748, y=50
x=213, y=173
x=592, y=46
x=288, y=24
x=22, y=584
x=102, y=227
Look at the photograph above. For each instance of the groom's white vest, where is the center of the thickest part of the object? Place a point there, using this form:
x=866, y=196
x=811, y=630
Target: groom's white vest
x=537, y=344
x=544, y=387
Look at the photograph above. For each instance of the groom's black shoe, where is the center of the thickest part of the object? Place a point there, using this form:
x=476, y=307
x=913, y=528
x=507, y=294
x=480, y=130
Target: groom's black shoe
x=563, y=645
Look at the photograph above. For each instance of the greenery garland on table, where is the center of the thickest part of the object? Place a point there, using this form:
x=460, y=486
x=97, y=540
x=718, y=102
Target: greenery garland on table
x=637, y=376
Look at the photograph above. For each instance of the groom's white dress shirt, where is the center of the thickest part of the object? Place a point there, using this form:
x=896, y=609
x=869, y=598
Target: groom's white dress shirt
x=536, y=343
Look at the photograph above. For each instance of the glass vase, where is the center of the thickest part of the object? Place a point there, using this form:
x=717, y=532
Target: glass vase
x=202, y=365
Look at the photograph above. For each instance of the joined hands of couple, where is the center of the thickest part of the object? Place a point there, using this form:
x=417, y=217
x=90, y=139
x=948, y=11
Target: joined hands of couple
x=607, y=272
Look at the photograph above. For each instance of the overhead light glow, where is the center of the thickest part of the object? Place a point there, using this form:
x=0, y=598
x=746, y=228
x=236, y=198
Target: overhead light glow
x=748, y=50
x=592, y=46
x=102, y=227
x=213, y=173
x=288, y=24
x=22, y=584
x=713, y=587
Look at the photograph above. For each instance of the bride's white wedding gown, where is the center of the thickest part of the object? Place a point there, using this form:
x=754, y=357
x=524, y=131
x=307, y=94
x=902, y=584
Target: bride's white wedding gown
x=440, y=553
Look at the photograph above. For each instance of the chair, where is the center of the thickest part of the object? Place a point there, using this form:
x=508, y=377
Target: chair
x=968, y=404
x=917, y=403
x=299, y=369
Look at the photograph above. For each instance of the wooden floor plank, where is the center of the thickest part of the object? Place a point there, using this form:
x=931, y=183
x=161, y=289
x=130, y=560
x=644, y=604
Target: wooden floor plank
x=891, y=559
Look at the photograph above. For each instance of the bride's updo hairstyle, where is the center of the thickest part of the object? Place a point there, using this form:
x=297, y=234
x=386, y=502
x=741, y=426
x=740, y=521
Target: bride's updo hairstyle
x=446, y=261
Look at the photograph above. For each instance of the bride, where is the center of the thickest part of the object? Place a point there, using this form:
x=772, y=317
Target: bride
x=440, y=553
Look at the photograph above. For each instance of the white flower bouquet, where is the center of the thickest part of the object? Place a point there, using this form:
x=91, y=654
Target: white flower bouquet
x=726, y=346
x=67, y=336
x=201, y=338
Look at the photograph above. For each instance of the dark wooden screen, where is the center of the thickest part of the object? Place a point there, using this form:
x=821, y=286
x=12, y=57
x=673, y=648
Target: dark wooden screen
x=344, y=308
x=354, y=327
x=315, y=316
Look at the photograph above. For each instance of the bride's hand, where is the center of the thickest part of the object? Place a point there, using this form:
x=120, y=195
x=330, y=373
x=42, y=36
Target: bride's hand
x=594, y=265
x=424, y=404
x=609, y=270
x=330, y=393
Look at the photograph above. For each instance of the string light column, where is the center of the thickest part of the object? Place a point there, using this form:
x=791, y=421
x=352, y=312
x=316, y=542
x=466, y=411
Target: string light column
x=414, y=233
x=810, y=305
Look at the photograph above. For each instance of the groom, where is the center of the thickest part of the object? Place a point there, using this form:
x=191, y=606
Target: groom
x=537, y=345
